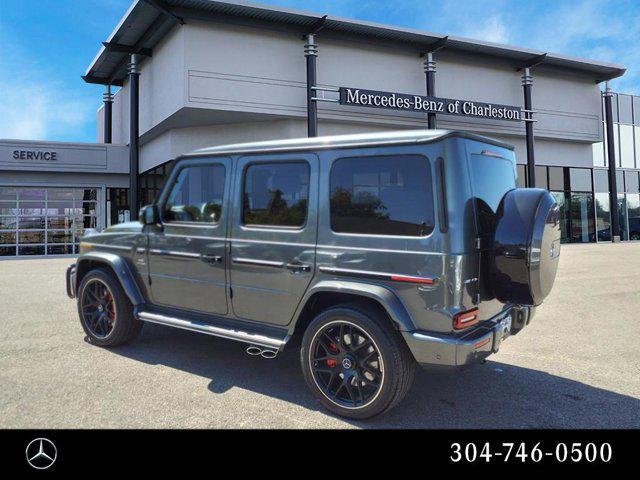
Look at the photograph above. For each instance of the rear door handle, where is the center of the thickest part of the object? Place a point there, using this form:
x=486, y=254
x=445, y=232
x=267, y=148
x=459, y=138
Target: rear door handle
x=298, y=267
x=211, y=259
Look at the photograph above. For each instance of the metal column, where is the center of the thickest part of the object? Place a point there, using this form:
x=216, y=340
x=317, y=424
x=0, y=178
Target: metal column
x=108, y=115
x=311, y=52
x=527, y=86
x=430, y=72
x=134, y=147
x=611, y=156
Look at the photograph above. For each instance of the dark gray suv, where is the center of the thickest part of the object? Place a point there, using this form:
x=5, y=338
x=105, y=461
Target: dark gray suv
x=371, y=253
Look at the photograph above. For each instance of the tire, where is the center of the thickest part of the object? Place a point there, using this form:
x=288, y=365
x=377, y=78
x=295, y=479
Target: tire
x=526, y=246
x=394, y=365
x=118, y=324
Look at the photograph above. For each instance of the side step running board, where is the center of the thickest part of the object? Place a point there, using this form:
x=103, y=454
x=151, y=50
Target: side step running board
x=201, y=327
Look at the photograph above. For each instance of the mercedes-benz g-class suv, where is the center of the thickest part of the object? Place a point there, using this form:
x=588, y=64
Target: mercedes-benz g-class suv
x=371, y=253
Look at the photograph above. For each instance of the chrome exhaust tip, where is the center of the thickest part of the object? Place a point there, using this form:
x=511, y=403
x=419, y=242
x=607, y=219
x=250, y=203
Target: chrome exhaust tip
x=269, y=353
x=254, y=350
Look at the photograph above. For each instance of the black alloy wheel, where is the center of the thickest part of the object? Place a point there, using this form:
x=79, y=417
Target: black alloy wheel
x=98, y=308
x=106, y=313
x=355, y=362
x=346, y=364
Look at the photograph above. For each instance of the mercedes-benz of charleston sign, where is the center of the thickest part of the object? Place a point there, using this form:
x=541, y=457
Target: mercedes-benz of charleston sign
x=359, y=97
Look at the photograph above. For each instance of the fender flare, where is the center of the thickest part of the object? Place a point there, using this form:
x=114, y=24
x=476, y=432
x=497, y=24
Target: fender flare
x=394, y=307
x=120, y=268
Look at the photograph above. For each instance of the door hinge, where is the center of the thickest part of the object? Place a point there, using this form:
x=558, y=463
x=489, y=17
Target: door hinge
x=230, y=292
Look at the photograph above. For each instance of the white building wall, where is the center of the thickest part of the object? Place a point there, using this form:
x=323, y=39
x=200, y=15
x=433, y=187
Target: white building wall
x=249, y=69
x=162, y=91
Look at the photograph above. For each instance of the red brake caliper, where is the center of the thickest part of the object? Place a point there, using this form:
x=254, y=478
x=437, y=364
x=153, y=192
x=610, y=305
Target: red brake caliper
x=331, y=363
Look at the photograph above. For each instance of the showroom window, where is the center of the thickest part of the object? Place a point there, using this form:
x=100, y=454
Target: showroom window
x=563, y=203
x=622, y=216
x=636, y=131
x=580, y=179
x=152, y=182
x=118, y=210
x=627, y=159
x=556, y=179
x=541, y=177
x=572, y=190
x=633, y=215
x=599, y=152
x=521, y=172
x=616, y=139
x=602, y=205
x=625, y=109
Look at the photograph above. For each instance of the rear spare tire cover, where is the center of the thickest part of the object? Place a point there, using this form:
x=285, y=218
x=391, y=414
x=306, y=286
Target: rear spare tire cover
x=526, y=246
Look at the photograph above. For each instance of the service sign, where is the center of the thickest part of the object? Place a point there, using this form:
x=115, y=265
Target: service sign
x=359, y=97
x=36, y=155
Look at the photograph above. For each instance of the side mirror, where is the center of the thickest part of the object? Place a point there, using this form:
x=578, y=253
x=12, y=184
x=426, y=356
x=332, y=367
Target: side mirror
x=149, y=215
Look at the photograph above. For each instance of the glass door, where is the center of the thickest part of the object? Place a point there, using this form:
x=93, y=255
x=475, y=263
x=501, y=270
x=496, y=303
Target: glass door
x=633, y=209
x=622, y=216
x=603, y=217
x=562, y=202
x=581, y=218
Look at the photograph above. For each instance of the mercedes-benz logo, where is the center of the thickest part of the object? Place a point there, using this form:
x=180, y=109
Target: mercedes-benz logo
x=346, y=364
x=41, y=453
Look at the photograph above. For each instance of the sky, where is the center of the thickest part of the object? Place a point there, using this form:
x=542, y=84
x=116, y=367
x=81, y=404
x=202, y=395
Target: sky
x=46, y=45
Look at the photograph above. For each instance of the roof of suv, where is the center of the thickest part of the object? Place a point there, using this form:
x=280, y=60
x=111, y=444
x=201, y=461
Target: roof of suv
x=402, y=137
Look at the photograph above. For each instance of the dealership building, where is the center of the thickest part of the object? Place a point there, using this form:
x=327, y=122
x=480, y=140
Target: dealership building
x=186, y=74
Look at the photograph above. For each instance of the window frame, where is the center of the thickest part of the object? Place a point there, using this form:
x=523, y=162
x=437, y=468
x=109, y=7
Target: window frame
x=170, y=185
x=379, y=235
x=274, y=161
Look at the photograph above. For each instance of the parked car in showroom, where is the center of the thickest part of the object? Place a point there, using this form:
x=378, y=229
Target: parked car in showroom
x=370, y=253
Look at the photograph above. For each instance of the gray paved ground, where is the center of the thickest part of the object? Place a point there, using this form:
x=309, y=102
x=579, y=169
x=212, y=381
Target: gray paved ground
x=577, y=365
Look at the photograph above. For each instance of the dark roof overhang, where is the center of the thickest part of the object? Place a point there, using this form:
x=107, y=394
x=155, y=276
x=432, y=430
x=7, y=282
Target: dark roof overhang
x=146, y=22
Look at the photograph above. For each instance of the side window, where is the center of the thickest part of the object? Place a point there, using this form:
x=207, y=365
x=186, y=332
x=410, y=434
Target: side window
x=382, y=196
x=196, y=195
x=276, y=194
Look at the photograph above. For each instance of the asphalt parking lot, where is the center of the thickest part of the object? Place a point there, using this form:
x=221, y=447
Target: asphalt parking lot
x=576, y=366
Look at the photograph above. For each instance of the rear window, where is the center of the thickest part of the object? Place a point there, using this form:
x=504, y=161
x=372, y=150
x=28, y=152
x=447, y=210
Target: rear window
x=384, y=195
x=491, y=178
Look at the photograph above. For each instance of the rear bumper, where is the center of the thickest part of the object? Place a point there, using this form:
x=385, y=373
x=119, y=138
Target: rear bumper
x=433, y=350
x=71, y=281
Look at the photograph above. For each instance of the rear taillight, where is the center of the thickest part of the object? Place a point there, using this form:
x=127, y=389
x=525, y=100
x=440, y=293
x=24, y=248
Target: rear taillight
x=465, y=319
